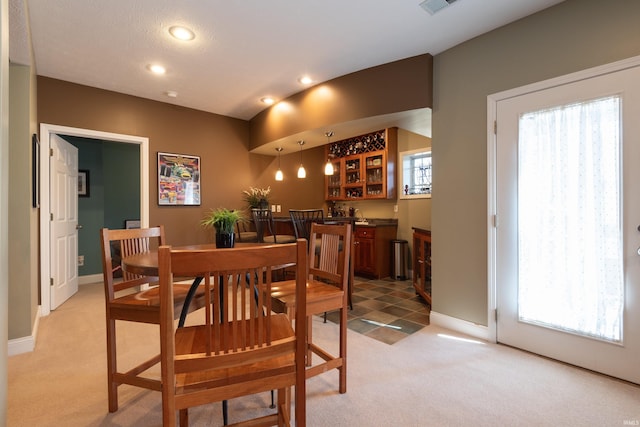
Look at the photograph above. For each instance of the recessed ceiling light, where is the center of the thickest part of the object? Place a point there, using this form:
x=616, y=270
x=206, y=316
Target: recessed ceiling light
x=156, y=68
x=171, y=93
x=182, y=33
x=305, y=80
x=267, y=100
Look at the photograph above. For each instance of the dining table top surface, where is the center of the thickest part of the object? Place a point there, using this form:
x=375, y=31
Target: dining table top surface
x=146, y=263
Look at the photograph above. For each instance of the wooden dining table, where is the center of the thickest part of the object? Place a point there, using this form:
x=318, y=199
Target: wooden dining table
x=146, y=264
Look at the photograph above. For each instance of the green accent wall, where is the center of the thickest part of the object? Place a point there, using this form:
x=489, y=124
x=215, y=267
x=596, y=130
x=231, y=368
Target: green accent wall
x=114, y=194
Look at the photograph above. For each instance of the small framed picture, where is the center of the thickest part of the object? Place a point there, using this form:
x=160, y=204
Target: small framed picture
x=178, y=179
x=83, y=183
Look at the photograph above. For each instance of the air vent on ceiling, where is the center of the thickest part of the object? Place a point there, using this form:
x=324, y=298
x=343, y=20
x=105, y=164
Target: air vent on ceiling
x=433, y=6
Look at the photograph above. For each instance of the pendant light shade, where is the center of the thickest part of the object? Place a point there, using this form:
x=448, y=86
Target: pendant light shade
x=328, y=168
x=302, y=173
x=279, y=174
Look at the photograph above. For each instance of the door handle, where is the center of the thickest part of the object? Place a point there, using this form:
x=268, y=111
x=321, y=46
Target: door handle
x=78, y=226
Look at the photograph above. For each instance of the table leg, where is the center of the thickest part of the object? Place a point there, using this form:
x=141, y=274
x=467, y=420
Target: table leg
x=188, y=299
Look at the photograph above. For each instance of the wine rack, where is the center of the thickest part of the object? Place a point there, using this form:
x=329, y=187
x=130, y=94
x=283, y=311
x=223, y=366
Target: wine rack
x=362, y=166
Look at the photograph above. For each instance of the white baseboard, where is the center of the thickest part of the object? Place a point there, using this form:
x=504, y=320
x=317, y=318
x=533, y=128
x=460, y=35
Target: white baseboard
x=92, y=278
x=25, y=344
x=459, y=325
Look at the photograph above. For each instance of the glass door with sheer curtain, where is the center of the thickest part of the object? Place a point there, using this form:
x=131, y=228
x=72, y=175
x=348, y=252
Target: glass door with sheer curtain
x=567, y=199
x=569, y=228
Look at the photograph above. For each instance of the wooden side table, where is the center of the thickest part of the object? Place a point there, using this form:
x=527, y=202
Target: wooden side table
x=422, y=263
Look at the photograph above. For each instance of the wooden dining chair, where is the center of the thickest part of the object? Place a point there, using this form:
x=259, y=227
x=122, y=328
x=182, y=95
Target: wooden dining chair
x=124, y=300
x=330, y=247
x=263, y=220
x=244, y=232
x=302, y=220
x=239, y=346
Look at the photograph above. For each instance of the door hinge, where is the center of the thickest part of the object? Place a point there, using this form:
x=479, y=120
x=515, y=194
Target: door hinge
x=50, y=152
x=495, y=127
x=51, y=216
x=495, y=312
x=495, y=221
x=51, y=281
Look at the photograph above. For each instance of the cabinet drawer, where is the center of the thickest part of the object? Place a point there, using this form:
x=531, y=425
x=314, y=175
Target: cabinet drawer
x=365, y=232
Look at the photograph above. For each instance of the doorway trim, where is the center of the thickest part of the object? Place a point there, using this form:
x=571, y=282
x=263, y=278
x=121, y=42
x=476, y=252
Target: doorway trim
x=46, y=130
x=492, y=219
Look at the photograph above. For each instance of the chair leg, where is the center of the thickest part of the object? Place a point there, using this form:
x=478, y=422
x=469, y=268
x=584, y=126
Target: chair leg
x=112, y=387
x=184, y=417
x=284, y=407
x=342, y=370
x=309, y=340
x=351, y=283
x=225, y=413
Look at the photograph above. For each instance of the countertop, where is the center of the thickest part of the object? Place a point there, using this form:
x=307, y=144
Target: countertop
x=371, y=222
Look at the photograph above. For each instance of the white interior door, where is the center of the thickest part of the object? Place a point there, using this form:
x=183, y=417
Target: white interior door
x=64, y=220
x=568, y=236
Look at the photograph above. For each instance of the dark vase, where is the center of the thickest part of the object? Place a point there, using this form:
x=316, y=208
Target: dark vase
x=264, y=204
x=225, y=240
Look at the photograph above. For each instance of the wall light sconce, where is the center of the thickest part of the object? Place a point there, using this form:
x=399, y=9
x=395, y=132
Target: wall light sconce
x=328, y=168
x=301, y=172
x=279, y=175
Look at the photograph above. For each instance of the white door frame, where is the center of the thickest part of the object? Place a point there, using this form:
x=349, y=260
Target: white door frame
x=46, y=130
x=492, y=220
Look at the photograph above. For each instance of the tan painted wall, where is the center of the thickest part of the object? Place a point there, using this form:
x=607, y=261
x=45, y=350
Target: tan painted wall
x=221, y=142
x=571, y=36
x=389, y=88
x=412, y=212
x=4, y=203
x=23, y=233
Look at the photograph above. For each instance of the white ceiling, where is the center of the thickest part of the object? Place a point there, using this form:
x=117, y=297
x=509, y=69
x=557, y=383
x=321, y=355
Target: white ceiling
x=244, y=49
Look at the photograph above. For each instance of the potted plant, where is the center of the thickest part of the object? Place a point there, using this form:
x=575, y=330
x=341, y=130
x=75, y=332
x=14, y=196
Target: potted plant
x=257, y=198
x=224, y=222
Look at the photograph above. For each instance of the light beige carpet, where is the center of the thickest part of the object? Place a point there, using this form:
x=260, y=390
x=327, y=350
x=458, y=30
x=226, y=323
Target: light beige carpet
x=424, y=380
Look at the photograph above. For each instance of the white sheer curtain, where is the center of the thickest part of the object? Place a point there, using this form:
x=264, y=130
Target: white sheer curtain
x=569, y=220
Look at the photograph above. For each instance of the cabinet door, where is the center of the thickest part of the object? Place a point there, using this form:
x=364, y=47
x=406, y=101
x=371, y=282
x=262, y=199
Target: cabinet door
x=376, y=175
x=365, y=252
x=368, y=256
x=353, y=177
x=333, y=183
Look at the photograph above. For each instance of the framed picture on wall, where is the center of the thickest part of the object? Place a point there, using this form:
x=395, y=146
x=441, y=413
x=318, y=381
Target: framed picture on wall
x=178, y=180
x=83, y=183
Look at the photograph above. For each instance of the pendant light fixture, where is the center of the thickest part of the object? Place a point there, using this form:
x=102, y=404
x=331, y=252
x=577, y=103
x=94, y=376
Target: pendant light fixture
x=279, y=175
x=328, y=168
x=301, y=172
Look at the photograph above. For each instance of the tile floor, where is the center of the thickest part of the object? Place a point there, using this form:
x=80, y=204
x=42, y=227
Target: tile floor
x=385, y=310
